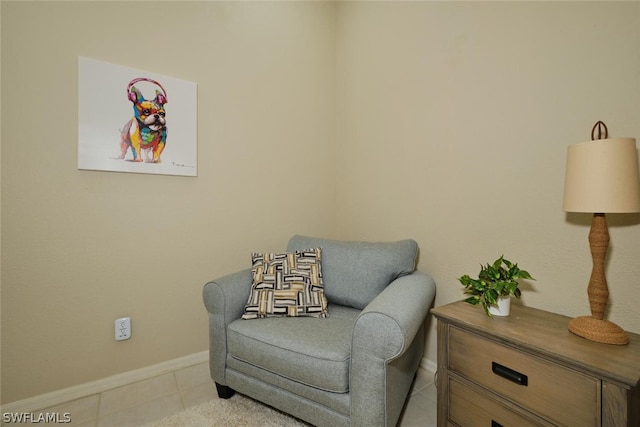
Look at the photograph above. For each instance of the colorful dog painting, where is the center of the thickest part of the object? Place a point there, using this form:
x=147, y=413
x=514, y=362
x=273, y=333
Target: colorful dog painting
x=147, y=130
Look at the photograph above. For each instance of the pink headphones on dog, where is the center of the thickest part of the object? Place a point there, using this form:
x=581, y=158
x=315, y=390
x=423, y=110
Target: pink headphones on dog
x=162, y=97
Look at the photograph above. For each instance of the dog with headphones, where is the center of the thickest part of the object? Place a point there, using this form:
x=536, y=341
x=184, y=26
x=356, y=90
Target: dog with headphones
x=147, y=130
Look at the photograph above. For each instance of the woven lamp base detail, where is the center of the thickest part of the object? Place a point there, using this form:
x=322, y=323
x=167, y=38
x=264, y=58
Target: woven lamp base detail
x=598, y=330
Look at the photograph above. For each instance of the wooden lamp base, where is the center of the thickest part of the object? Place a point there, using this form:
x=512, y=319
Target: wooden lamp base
x=595, y=327
x=598, y=330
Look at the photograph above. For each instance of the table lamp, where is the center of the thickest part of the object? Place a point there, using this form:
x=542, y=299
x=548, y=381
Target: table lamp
x=601, y=178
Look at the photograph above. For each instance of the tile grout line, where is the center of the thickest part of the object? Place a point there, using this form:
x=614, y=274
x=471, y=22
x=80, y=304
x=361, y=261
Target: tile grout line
x=178, y=390
x=175, y=379
x=97, y=418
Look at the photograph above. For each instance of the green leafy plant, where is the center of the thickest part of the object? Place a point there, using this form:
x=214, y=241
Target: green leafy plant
x=499, y=279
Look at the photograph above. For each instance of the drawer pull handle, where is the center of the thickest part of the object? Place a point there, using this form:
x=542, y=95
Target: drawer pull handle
x=509, y=374
x=495, y=424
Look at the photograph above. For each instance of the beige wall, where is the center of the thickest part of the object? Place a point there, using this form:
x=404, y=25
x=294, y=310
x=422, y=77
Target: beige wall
x=449, y=122
x=454, y=120
x=81, y=248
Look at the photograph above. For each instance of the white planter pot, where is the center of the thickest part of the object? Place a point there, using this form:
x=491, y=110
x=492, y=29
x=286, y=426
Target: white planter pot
x=503, y=308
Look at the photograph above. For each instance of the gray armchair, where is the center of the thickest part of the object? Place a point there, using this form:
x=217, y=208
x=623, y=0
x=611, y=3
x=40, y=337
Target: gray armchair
x=354, y=367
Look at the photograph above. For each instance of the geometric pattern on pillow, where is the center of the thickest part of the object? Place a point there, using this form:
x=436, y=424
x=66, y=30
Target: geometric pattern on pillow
x=286, y=284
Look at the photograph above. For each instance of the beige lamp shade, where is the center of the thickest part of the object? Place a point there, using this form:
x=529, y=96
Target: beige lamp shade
x=602, y=177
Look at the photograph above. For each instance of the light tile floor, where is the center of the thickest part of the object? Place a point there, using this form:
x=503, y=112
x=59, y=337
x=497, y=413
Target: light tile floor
x=420, y=409
x=135, y=404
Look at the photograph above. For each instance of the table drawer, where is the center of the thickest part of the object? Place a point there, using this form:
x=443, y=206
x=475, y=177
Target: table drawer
x=468, y=407
x=561, y=395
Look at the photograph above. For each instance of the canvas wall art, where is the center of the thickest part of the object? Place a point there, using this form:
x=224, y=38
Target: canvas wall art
x=135, y=121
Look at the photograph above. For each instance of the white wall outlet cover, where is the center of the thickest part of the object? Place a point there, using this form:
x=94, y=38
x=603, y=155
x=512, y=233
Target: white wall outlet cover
x=123, y=328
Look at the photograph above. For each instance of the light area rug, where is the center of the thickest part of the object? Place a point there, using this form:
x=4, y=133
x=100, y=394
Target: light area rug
x=239, y=411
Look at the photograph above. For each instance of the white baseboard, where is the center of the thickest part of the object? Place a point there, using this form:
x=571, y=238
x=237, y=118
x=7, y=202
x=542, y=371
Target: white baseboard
x=429, y=365
x=57, y=397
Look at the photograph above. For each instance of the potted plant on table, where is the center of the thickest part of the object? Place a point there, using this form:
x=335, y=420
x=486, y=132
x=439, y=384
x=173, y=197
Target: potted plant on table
x=495, y=285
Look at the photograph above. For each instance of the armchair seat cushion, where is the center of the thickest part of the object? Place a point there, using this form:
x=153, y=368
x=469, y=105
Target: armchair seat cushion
x=300, y=349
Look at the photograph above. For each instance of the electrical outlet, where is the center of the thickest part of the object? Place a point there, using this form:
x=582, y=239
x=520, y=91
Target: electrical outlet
x=123, y=328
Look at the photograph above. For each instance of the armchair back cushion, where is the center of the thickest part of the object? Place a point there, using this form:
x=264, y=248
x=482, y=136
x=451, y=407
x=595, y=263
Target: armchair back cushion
x=354, y=273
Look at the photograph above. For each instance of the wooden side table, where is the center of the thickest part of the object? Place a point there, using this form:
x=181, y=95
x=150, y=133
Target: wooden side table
x=527, y=369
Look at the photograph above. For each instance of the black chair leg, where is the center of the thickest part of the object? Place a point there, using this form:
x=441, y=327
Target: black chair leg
x=224, y=392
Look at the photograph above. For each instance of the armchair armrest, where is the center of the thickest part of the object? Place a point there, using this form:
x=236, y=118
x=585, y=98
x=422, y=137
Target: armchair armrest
x=225, y=299
x=384, y=332
x=228, y=295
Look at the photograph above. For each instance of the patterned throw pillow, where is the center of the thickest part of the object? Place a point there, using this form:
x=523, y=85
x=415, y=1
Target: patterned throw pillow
x=286, y=284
